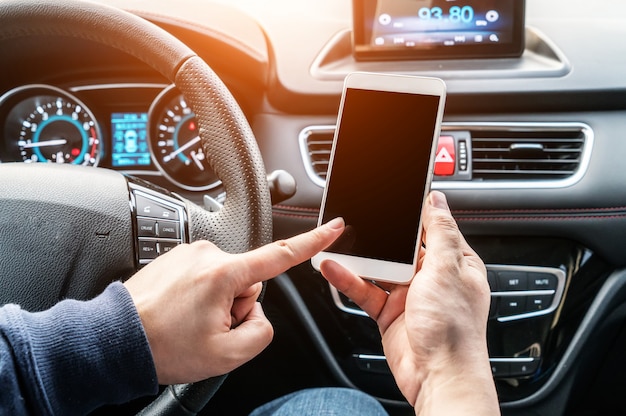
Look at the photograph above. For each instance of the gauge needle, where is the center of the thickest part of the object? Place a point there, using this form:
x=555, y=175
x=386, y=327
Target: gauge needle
x=182, y=148
x=56, y=142
x=197, y=161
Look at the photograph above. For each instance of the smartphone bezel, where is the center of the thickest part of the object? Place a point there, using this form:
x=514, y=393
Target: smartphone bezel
x=370, y=268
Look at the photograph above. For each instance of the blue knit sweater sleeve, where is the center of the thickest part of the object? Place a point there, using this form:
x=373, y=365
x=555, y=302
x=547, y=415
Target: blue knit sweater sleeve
x=74, y=357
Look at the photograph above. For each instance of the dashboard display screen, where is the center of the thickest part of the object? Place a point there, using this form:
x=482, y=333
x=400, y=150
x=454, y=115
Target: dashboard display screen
x=130, y=140
x=432, y=29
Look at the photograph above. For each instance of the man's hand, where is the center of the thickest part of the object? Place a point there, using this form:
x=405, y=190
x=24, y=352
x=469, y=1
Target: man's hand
x=198, y=304
x=434, y=330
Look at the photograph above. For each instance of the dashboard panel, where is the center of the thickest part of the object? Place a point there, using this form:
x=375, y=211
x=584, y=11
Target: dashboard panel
x=146, y=129
x=566, y=95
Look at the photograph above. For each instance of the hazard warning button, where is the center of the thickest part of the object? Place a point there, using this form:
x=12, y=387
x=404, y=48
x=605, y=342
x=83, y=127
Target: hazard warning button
x=446, y=156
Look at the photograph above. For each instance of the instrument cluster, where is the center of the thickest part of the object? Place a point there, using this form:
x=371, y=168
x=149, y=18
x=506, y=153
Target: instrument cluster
x=137, y=128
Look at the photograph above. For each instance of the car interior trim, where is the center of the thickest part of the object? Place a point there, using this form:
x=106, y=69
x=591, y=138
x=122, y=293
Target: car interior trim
x=610, y=296
x=293, y=296
x=556, y=294
x=585, y=158
x=112, y=86
x=533, y=176
x=541, y=59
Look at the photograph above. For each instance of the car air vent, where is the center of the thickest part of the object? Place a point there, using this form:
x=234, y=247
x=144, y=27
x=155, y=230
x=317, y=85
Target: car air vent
x=541, y=153
x=316, y=143
x=503, y=155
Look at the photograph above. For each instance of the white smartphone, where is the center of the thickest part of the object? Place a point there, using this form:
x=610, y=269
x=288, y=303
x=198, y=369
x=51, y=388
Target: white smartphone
x=380, y=171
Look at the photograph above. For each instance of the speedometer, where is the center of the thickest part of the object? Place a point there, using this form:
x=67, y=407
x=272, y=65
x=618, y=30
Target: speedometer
x=60, y=131
x=47, y=124
x=175, y=143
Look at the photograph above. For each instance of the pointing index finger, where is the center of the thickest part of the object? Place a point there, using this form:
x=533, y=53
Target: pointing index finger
x=272, y=259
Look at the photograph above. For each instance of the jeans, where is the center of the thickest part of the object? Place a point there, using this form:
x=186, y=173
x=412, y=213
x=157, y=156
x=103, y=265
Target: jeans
x=322, y=402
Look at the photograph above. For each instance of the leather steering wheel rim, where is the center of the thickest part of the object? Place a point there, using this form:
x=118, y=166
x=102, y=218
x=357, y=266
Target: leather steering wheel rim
x=245, y=221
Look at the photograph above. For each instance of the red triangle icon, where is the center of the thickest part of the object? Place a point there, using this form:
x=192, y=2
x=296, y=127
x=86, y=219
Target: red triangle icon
x=444, y=156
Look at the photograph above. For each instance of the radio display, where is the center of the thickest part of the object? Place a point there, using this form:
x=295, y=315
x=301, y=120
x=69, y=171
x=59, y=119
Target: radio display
x=427, y=29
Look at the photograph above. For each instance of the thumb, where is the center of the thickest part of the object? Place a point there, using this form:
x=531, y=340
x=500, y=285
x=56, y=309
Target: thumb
x=248, y=339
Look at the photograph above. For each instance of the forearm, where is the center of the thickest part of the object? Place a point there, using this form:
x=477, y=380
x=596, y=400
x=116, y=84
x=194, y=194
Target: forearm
x=78, y=355
x=466, y=388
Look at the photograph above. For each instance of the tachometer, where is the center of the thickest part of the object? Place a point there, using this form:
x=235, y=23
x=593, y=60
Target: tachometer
x=59, y=131
x=47, y=124
x=175, y=143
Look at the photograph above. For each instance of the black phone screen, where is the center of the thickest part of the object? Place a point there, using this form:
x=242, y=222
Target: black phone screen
x=379, y=172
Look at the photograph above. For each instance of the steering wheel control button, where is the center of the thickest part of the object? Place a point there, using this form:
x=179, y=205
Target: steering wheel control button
x=148, y=250
x=150, y=208
x=167, y=229
x=164, y=247
x=160, y=222
x=146, y=228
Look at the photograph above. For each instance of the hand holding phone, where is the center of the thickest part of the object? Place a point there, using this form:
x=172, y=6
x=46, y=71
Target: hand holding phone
x=380, y=172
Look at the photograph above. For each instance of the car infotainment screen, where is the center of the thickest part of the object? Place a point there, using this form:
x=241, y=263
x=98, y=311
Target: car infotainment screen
x=437, y=29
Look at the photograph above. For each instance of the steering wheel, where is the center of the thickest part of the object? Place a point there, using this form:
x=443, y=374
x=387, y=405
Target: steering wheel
x=68, y=231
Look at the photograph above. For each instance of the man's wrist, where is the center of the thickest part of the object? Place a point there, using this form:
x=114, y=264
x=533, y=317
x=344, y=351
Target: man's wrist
x=460, y=385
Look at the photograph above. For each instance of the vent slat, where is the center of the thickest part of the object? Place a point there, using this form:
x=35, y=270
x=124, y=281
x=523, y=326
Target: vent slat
x=510, y=173
x=479, y=139
x=512, y=161
x=498, y=153
x=319, y=145
x=488, y=149
x=319, y=153
x=532, y=154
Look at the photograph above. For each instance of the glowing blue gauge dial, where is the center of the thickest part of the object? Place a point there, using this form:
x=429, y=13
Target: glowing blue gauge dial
x=175, y=143
x=47, y=124
x=59, y=131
